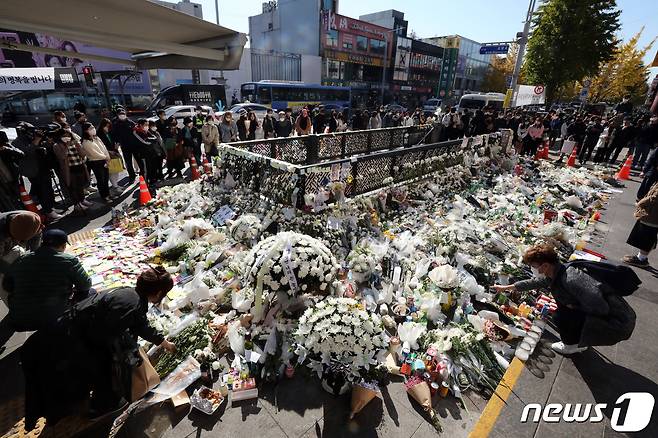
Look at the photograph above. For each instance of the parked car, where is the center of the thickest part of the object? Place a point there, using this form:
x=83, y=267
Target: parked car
x=431, y=105
x=179, y=112
x=395, y=108
x=258, y=109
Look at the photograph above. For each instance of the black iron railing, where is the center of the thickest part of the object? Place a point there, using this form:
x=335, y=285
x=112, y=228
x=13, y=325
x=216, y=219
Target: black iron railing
x=311, y=149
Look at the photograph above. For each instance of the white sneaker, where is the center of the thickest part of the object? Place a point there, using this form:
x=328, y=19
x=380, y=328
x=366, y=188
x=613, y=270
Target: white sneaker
x=53, y=216
x=565, y=349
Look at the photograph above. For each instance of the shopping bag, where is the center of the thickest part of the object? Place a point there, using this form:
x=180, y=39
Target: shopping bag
x=115, y=166
x=567, y=146
x=144, y=378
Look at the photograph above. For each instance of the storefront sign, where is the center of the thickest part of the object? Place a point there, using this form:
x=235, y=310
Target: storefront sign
x=17, y=79
x=353, y=57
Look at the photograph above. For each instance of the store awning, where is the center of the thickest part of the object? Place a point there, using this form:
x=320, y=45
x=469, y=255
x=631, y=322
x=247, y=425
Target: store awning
x=156, y=36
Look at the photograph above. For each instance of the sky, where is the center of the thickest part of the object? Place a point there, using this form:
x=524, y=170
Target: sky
x=479, y=20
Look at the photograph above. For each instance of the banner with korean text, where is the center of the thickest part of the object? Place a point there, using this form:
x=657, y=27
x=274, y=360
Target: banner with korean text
x=22, y=79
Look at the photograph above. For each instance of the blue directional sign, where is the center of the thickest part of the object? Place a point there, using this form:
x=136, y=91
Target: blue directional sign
x=494, y=49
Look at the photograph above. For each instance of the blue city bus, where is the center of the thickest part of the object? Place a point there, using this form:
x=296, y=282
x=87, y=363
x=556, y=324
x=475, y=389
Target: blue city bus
x=295, y=95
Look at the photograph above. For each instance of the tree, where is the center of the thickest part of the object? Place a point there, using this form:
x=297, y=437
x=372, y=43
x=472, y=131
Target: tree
x=495, y=80
x=624, y=74
x=570, y=39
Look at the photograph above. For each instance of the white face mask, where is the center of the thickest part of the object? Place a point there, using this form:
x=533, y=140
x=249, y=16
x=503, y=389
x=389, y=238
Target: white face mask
x=92, y=132
x=536, y=273
x=153, y=128
x=122, y=117
x=66, y=139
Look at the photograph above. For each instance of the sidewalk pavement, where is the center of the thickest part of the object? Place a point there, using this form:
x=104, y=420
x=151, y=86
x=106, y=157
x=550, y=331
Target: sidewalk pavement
x=601, y=374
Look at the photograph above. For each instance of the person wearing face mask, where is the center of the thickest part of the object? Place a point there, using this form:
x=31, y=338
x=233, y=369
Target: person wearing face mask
x=282, y=126
x=122, y=128
x=588, y=313
x=73, y=172
x=59, y=117
x=210, y=137
x=98, y=159
x=158, y=153
x=146, y=152
x=228, y=130
x=252, y=125
x=80, y=120
x=198, y=120
x=189, y=136
x=242, y=125
x=303, y=125
x=268, y=124
x=175, y=150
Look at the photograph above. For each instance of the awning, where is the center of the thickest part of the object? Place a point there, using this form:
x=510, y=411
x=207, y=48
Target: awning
x=156, y=36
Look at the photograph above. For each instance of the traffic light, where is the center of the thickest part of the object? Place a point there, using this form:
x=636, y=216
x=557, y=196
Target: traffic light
x=88, y=71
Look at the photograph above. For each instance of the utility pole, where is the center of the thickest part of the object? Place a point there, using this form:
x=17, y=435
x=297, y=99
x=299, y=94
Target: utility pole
x=522, y=43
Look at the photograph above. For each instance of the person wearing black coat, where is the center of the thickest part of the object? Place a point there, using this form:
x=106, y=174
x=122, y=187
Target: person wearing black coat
x=122, y=128
x=268, y=124
x=649, y=174
x=242, y=126
x=108, y=325
x=283, y=126
x=623, y=137
x=592, y=134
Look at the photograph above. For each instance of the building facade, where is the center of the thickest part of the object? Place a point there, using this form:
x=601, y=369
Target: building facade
x=470, y=67
x=355, y=53
x=184, y=6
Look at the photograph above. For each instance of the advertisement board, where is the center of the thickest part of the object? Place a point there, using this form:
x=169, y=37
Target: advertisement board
x=21, y=59
x=402, y=55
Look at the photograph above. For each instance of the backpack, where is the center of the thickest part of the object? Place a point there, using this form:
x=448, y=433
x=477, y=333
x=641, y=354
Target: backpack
x=622, y=280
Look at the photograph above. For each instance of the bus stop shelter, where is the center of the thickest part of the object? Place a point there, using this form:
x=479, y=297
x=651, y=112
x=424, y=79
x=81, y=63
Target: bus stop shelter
x=154, y=35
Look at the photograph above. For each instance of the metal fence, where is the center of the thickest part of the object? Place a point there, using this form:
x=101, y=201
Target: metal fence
x=272, y=171
x=311, y=149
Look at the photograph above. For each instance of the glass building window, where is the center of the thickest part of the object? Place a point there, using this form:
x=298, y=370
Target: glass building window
x=377, y=47
x=362, y=43
x=332, y=38
x=347, y=45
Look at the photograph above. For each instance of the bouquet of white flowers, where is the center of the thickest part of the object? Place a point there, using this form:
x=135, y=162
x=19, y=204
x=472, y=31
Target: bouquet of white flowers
x=362, y=262
x=288, y=264
x=339, y=330
x=245, y=229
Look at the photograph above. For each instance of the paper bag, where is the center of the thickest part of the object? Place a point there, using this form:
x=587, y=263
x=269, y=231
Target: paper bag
x=567, y=146
x=144, y=378
x=361, y=396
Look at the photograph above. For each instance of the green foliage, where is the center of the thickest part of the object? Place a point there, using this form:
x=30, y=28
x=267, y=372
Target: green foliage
x=570, y=39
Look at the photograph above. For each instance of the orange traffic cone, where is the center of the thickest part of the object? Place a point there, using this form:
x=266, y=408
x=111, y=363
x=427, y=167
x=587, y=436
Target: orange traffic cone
x=195, y=170
x=571, y=162
x=546, y=150
x=625, y=171
x=29, y=204
x=144, y=194
x=207, y=168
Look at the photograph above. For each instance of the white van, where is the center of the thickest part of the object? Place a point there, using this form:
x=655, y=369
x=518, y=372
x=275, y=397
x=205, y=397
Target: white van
x=472, y=102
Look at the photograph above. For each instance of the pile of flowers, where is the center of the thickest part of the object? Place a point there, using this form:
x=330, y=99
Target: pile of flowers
x=340, y=330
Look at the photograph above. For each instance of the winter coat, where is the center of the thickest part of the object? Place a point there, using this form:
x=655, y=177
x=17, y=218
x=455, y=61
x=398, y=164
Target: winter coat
x=303, y=125
x=95, y=150
x=61, y=153
x=283, y=128
x=228, y=132
x=209, y=136
x=375, y=122
x=268, y=127
x=608, y=317
x=650, y=171
x=122, y=130
x=647, y=207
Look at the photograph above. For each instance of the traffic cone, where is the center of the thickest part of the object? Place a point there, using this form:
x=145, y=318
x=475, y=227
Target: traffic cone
x=144, y=194
x=571, y=162
x=546, y=150
x=29, y=204
x=207, y=168
x=625, y=171
x=195, y=170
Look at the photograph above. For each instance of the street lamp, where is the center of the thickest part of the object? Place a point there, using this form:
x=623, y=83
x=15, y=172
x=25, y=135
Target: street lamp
x=385, y=61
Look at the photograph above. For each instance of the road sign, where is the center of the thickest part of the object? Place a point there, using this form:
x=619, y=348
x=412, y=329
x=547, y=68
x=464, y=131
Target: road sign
x=587, y=83
x=529, y=95
x=539, y=89
x=494, y=49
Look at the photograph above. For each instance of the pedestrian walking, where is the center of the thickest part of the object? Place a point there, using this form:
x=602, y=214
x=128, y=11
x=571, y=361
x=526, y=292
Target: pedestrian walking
x=283, y=127
x=622, y=138
x=228, y=129
x=122, y=130
x=74, y=173
x=303, y=125
x=592, y=134
x=268, y=124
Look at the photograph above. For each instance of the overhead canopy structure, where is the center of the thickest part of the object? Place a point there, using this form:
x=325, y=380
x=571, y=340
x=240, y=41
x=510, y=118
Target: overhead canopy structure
x=156, y=36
